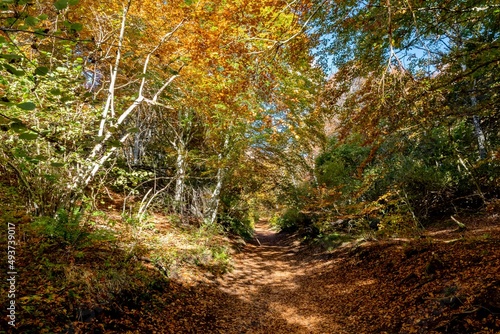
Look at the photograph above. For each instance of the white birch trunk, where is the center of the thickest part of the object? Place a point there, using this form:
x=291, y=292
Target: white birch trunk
x=100, y=153
x=180, y=175
x=481, y=139
x=138, y=148
x=215, y=198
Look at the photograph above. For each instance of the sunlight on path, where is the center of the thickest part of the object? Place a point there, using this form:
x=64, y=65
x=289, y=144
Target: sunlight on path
x=270, y=276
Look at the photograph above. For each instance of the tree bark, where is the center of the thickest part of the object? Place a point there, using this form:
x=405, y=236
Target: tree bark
x=481, y=139
x=215, y=200
x=221, y=173
x=180, y=176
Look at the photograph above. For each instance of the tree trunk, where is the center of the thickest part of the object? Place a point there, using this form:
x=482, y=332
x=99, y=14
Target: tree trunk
x=180, y=176
x=481, y=139
x=215, y=198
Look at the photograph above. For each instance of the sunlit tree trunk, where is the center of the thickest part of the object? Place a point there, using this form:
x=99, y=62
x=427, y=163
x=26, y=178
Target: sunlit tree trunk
x=100, y=153
x=215, y=200
x=182, y=137
x=221, y=173
x=180, y=175
x=137, y=148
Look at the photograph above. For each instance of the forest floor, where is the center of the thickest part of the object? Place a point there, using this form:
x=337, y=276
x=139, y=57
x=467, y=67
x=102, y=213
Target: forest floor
x=446, y=281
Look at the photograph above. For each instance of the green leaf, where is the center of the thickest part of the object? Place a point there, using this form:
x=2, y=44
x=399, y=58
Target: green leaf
x=28, y=136
x=42, y=32
x=20, y=153
x=43, y=17
x=42, y=70
x=57, y=164
x=50, y=177
x=31, y=21
x=61, y=4
x=60, y=150
x=76, y=26
x=11, y=21
x=10, y=56
x=13, y=70
x=133, y=130
x=66, y=99
x=115, y=143
x=18, y=127
x=27, y=106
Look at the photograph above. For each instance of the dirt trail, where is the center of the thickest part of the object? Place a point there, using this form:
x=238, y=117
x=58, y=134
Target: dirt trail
x=400, y=286
x=275, y=289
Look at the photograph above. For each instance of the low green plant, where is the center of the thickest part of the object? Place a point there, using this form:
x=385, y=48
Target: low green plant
x=242, y=227
x=221, y=259
x=67, y=227
x=129, y=180
x=64, y=226
x=290, y=220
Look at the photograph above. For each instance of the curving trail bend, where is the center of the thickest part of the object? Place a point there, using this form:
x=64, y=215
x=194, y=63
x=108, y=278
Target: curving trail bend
x=277, y=289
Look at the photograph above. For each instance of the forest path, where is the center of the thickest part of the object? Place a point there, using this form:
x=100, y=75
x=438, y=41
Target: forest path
x=277, y=288
x=435, y=284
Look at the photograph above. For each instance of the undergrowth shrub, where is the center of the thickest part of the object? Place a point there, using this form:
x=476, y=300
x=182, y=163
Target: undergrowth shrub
x=287, y=221
x=405, y=182
x=238, y=215
x=71, y=228
x=338, y=165
x=332, y=240
x=295, y=220
x=242, y=227
x=128, y=180
x=65, y=226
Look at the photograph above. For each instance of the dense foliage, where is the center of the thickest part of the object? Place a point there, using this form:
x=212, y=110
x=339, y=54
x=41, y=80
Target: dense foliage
x=214, y=111
x=170, y=110
x=139, y=140
x=413, y=112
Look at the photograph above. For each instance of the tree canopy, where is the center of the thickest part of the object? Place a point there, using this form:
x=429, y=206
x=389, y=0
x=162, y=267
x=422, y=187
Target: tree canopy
x=149, y=136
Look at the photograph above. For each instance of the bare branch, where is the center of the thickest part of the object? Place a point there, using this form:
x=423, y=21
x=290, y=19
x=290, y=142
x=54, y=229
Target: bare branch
x=114, y=73
x=148, y=57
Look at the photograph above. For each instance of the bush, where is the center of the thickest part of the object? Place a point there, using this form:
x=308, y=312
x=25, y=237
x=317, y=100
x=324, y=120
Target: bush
x=67, y=227
x=292, y=220
x=242, y=227
x=337, y=166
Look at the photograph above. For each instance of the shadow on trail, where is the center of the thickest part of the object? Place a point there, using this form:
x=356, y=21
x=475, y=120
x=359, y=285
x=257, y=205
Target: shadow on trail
x=275, y=288
x=280, y=287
